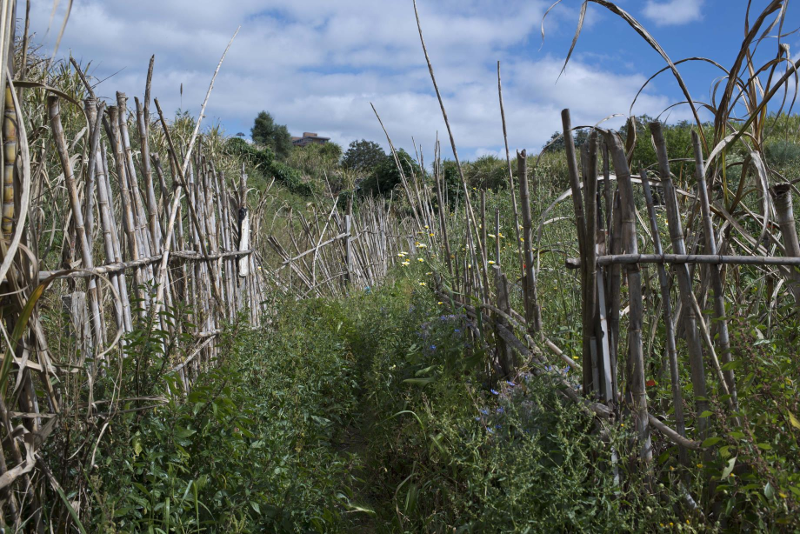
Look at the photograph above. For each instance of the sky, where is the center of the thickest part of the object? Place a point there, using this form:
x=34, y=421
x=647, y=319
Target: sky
x=317, y=65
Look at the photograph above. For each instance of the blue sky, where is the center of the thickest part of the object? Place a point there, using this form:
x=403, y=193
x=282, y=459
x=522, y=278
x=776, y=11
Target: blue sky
x=316, y=65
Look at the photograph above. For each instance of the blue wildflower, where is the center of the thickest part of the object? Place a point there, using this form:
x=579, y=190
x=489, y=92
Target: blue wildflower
x=484, y=411
x=501, y=410
x=510, y=383
x=494, y=392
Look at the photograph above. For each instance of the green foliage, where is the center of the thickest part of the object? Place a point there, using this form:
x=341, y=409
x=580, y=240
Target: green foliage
x=249, y=450
x=783, y=155
x=363, y=156
x=385, y=177
x=319, y=163
x=263, y=160
x=487, y=172
x=265, y=132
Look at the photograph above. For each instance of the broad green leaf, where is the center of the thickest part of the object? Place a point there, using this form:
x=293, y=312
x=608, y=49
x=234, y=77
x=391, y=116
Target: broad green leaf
x=729, y=468
x=710, y=442
x=418, y=381
x=793, y=420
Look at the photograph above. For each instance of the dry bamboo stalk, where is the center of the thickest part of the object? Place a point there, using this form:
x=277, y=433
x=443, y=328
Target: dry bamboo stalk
x=716, y=279
x=133, y=183
x=591, y=365
x=504, y=353
x=636, y=380
x=469, y=211
x=97, y=174
x=497, y=232
x=510, y=174
x=484, y=249
x=10, y=161
x=614, y=286
x=443, y=207
x=126, y=204
x=90, y=108
x=678, y=259
x=782, y=197
x=666, y=307
x=77, y=214
x=161, y=277
x=113, y=248
x=533, y=313
x=684, y=280
x=143, y=119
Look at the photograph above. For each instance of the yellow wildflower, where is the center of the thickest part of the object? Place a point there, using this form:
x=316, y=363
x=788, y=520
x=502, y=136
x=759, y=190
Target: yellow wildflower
x=440, y=303
x=490, y=262
x=420, y=260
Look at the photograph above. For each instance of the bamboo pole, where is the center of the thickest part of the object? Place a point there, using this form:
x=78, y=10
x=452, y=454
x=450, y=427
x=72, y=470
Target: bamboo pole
x=636, y=380
x=10, y=142
x=705, y=259
x=720, y=315
x=510, y=174
x=533, y=313
x=77, y=214
x=666, y=307
x=111, y=238
x=784, y=212
x=443, y=210
x=684, y=280
x=133, y=183
x=614, y=287
x=592, y=365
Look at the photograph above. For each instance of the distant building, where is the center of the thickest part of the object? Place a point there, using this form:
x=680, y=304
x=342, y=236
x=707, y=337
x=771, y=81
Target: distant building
x=309, y=138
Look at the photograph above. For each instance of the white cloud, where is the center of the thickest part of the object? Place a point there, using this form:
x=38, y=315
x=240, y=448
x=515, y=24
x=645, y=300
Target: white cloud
x=673, y=12
x=317, y=66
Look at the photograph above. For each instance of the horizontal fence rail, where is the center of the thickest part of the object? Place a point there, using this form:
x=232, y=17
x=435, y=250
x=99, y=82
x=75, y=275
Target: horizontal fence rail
x=709, y=259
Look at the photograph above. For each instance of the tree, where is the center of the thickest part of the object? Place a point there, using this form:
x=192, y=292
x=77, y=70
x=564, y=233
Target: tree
x=275, y=136
x=363, y=156
x=385, y=176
